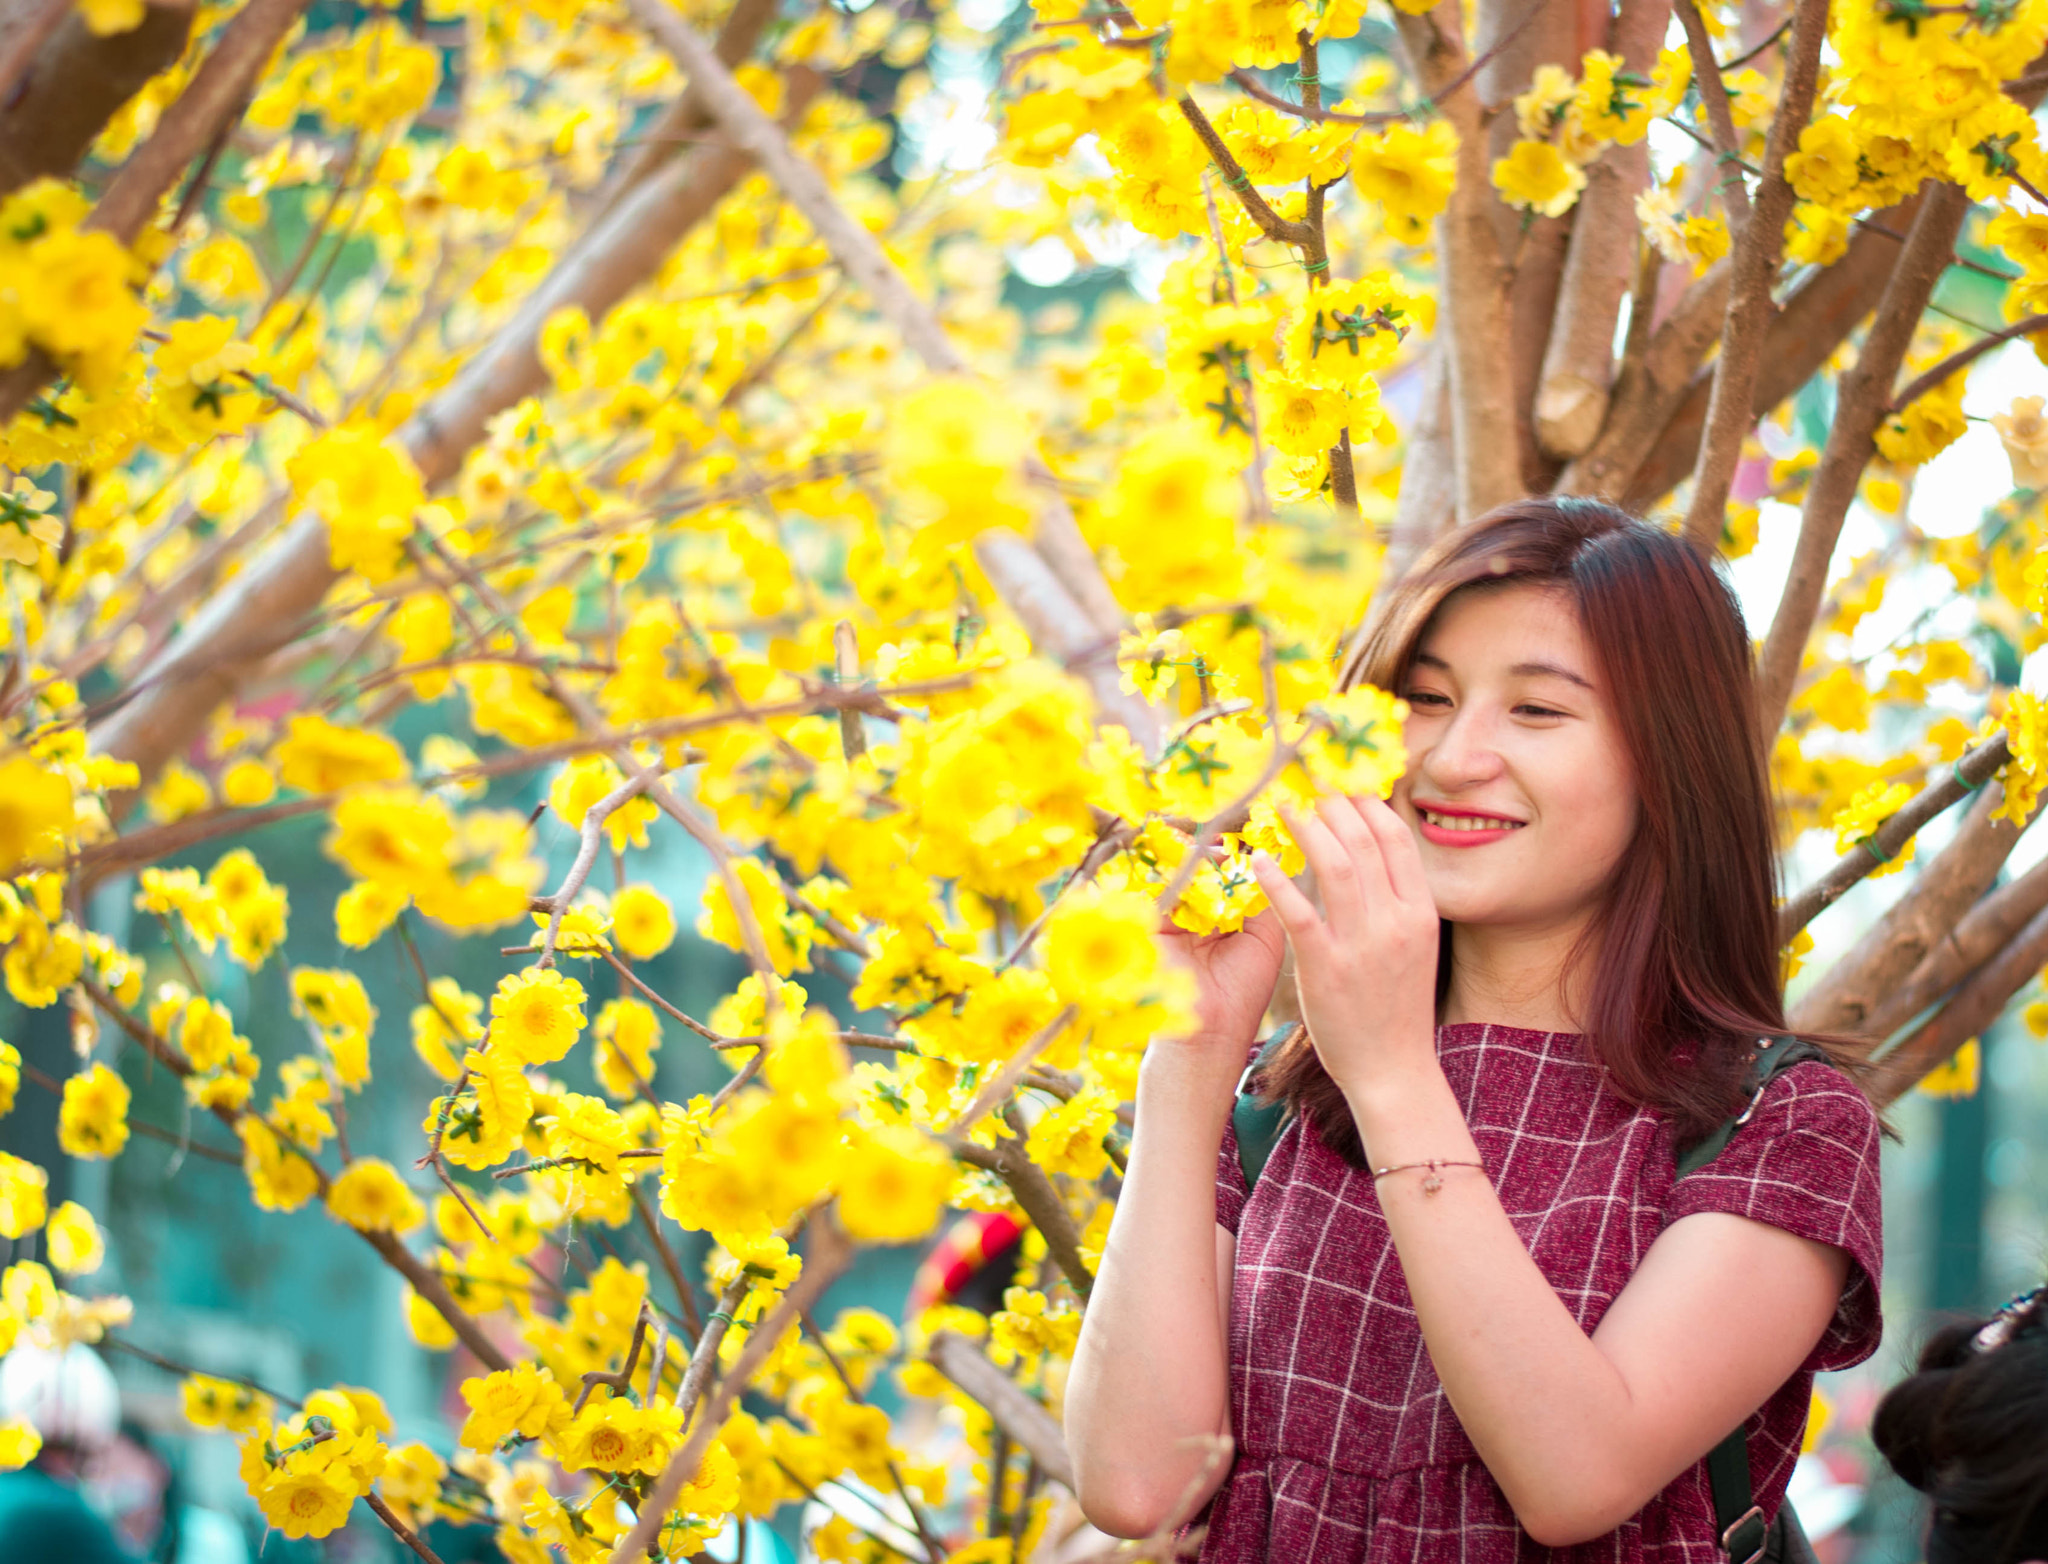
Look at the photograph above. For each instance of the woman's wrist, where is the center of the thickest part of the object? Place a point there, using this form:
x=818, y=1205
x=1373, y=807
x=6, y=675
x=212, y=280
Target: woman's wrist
x=1408, y=1114
x=1191, y=1075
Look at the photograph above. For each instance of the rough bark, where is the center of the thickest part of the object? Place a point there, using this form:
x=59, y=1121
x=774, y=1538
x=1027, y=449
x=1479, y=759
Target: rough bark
x=1815, y=321
x=1646, y=395
x=1856, y=985
x=1570, y=399
x=74, y=84
x=1512, y=43
x=1758, y=247
x=267, y=604
x=1979, y=935
x=1474, y=318
x=211, y=102
x=1860, y=404
x=1578, y=366
x=1974, y=1006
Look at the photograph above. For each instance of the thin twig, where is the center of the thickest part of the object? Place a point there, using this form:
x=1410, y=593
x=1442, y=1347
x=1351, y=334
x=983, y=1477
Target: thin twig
x=1714, y=96
x=1963, y=357
x=592, y=832
x=1004, y=1081
x=1970, y=772
x=651, y=1220
x=933, y=1546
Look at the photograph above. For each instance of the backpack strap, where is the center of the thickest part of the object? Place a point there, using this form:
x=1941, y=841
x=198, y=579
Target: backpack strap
x=1258, y=1124
x=1739, y=1522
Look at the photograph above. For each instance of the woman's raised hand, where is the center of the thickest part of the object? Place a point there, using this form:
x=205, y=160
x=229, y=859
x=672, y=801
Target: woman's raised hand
x=1234, y=978
x=1365, y=966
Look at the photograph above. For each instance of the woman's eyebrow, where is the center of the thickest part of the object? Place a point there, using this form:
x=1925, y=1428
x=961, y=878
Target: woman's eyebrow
x=1520, y=670
x=1555, y=671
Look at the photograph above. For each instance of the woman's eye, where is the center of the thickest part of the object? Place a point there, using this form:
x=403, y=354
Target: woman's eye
x=1531, y=709
x=1427, y=698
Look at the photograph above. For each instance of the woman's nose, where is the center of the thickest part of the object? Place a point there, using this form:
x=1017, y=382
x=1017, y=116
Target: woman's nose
x=1462, y=752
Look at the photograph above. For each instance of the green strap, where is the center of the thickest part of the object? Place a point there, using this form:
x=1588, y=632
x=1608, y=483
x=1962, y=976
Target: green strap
x=1258, y=1124
x=1776, y=1056
x=1737, y=1520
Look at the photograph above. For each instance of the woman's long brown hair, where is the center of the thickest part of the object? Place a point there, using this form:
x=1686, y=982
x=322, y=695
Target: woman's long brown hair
x=1685, y=946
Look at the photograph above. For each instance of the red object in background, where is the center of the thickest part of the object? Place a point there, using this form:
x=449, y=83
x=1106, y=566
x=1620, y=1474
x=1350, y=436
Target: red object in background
x=969, y=1250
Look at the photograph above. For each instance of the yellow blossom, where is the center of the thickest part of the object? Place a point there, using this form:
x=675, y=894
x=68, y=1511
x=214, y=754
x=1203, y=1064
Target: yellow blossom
x=537, y=1015
x=19, y=1443
x=523, y=1400
x=366, y=489
x=93, y=1119
x=23, y=1199
x=1536, y=176
x=35, y=813
x=1956, y=1076
x=74, y=1240
x=369, y=1195
x=642, y=922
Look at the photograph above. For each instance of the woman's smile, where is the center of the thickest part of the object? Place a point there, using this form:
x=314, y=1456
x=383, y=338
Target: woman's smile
x=1448, y=826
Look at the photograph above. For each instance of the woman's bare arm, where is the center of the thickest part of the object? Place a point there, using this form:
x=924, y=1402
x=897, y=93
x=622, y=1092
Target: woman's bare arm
x=1151, y=1374
x=1581, y=1431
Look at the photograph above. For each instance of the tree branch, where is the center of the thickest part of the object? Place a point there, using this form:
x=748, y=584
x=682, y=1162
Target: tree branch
x=1015, y=1411
x=74, y=82
x=269, y=601
x=1962, y=358
x=1720, y=119
x=1970, y=772
x=1975, y=1005
x=1860, y=402
x=1980, y=934
x=1815, y=321
x=218, y=91
x=1858, y=982
x=1475, y=320
x=1758, y=247
x=1238, y=183
x=1040, y=1200
x=861, y=257
x=830, y=1254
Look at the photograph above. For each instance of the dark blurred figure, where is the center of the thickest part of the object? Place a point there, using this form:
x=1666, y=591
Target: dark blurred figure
x=1970, y=1430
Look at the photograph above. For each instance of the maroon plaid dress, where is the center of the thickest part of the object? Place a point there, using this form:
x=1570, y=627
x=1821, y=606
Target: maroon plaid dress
x=1348, y=1451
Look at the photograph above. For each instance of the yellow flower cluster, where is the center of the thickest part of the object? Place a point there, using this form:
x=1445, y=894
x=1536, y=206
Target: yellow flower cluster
x=308, y=1471
x=1567, y=123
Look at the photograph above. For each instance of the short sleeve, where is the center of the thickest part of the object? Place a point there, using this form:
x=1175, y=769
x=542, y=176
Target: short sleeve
x=1807, y=1162
x=1231, y=1190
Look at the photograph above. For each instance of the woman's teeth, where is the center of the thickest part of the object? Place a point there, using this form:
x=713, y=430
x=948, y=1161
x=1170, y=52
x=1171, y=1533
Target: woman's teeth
x=1469, y=822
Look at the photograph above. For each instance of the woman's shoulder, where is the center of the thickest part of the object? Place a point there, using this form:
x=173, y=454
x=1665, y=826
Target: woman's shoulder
x=1806, y=1159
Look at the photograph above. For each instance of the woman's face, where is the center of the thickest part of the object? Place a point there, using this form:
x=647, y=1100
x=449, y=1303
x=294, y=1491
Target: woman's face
x=1517, y=787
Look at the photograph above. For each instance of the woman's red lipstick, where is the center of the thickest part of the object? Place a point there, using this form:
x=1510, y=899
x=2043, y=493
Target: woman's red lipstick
x=1462, y=835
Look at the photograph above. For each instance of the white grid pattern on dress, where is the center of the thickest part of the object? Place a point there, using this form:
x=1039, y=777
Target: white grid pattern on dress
x=1348, y=1448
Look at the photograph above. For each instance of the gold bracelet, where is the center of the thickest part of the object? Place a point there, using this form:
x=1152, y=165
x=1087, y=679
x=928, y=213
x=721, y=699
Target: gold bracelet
x=1434, y=1181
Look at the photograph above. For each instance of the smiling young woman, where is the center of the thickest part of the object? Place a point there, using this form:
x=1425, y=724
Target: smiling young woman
x=1471, y=1312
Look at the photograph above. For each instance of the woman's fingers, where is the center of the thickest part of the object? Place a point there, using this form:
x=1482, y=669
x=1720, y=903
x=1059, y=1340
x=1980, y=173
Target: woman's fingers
x=1336, y=870
x=1364, y=849
x=1397, y=849
x=1297, y=914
